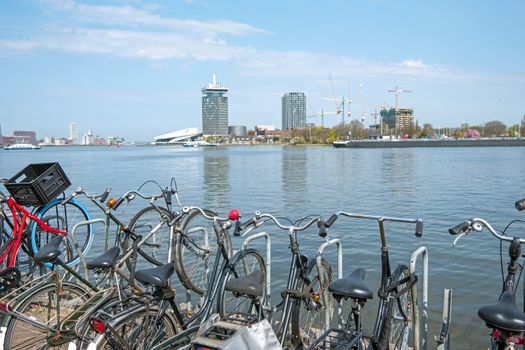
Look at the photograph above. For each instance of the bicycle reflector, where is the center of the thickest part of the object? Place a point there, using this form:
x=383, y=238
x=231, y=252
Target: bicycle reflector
x=5, y=308
x=111, y=202
x=234, y=214
x=98, y=326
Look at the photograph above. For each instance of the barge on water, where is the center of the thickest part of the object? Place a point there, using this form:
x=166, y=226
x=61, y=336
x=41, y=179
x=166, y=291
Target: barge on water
x=430, y=143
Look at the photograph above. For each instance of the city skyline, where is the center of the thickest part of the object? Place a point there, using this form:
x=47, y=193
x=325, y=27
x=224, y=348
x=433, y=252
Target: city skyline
x=136, y=69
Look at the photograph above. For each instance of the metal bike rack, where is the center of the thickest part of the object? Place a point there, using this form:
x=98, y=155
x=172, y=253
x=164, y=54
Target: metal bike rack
x=420, y=334
x=318, y=262
x=268, y=263
x=71, y=235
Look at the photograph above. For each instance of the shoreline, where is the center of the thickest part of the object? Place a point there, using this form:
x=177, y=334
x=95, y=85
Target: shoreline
x=430, y=143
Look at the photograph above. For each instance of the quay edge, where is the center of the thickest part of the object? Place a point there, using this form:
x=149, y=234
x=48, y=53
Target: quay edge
x=429, y=143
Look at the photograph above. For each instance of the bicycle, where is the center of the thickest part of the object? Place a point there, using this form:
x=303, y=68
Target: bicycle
x=65, y=328
x=393, y=324
x=155, y=330
x=304, y=298
x=38, y=185
x=504, y=318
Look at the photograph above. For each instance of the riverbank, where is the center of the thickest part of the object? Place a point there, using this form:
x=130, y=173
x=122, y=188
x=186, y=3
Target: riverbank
x=430, y=143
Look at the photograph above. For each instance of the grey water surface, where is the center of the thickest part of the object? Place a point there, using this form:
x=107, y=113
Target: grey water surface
x=443, y=186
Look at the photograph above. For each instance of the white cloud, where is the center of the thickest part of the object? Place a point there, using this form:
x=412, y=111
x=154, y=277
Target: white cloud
x=137, y=33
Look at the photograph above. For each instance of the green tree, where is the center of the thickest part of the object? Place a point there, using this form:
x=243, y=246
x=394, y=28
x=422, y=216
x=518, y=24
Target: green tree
x=495, y=128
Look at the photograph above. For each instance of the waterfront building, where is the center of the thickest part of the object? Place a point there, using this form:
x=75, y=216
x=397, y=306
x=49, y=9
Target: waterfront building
x=25, y=137
x=237, y=130
x=88, y=139
x=49, y=140
x=179, y=136
x=73, y=133
x=214, y=109
x=293, y=110
x=1, y=137
x=399, y=118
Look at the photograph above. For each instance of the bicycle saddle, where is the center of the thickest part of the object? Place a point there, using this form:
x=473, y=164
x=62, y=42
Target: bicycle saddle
x=353, y=286
x=158, y=276
x=504, y=315
x=250, y=285
x=50, y=251
x=106, y=260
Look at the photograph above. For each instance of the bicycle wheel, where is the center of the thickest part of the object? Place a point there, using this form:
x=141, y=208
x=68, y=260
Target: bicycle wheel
x=63, y=217
x=43, y=306
x=244, y=263
x=397, y=326
x=155, y=248
x=308, y=314
x=196, y=251
x=141, y=329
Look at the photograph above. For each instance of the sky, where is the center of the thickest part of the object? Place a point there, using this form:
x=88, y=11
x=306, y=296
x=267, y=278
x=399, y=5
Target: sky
x=135, y=68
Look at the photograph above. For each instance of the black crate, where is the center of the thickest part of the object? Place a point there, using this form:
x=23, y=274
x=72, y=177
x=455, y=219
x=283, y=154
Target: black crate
x=38, y=184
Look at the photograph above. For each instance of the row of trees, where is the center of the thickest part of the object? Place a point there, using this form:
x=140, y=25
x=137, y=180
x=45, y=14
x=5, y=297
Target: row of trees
x=356, y=131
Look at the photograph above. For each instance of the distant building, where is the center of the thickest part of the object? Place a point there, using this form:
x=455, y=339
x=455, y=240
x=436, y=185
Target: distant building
x=88, y=139
x=293, y=110
x=214, y=109
x=237, y=130
x=179, y=136
x=49, y=140
x=265, y=127
x=73, y=133
x=25, y=137
x=398, y=119
x=522, y=124
x=60, y=141
x=1, y=137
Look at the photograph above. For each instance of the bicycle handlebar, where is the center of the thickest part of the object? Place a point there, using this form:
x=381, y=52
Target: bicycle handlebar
x=79, y=191
x=477, y=224
x=187, y=209
x=289, y=228
x=334, y=217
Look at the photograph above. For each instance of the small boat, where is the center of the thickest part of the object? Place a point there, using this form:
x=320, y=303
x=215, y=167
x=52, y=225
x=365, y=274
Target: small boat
x=21, y=146
x=199, y=144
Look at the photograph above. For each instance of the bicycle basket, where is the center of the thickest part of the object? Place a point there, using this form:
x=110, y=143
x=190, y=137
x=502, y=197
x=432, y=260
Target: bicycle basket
x=38, y=184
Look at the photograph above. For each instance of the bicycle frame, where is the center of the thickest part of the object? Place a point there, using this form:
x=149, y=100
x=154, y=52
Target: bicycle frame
x=20, y=216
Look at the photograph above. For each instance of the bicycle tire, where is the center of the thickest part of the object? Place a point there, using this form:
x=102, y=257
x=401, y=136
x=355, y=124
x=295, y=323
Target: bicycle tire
x=308, y=315
x=156, y=246
x=63, y=217
x=242, y=264
x=397, y=326
x=131, y=329
x=192, y=255
x=41, y=305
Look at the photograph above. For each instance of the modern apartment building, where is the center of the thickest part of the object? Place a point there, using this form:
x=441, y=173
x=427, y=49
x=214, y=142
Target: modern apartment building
x=25, y=137
x=294, y=110
x=398, y=118
x=214, y=109
x=73, y=133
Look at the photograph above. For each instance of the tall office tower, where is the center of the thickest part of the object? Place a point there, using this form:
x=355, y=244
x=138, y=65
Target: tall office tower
x=294, y=110
x=214, y=109
x=73, y=133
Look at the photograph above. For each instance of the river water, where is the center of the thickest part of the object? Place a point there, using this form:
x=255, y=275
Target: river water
x=443, y=186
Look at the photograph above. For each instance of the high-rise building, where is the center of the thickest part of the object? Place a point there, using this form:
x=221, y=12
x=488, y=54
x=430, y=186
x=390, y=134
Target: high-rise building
x=214, y=109
x=294, y=110
x=88, y=139
x=398, y=118
x=2, y=138
x=73, y=133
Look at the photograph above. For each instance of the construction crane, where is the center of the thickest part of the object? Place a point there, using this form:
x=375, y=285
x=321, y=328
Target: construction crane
x=340, y=102
x=397, y=91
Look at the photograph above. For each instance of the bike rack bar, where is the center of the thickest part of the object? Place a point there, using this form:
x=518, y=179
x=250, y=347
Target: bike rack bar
x=75, y=243
x=443, y=340
x=318, y=262
x=268, y=263
x=420, y=335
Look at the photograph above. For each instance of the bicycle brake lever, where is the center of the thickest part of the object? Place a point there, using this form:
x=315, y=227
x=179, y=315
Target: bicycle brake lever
x=458, y=238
